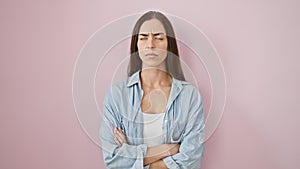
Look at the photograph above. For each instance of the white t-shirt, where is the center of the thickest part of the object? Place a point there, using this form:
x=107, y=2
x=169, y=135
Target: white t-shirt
x=153, y=129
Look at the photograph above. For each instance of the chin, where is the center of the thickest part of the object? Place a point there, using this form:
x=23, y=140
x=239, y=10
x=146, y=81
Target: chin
x=153, y=65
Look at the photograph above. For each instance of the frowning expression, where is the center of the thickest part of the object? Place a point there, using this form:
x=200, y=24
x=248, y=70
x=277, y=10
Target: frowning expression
x=152, y=44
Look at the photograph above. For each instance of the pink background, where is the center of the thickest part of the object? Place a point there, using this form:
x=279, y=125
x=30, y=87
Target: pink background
x=258, y=43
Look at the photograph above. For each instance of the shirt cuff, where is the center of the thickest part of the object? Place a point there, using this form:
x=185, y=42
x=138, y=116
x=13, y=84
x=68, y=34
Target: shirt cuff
x=170, y=163
x=143, y=148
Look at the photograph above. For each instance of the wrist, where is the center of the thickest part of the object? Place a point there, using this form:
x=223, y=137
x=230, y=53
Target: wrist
x=168, y=150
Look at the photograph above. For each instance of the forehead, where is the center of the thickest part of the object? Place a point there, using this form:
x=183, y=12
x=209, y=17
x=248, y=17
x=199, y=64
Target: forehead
x=152, y=26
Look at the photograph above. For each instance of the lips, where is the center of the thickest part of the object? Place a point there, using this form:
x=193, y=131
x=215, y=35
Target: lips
x=151, y=55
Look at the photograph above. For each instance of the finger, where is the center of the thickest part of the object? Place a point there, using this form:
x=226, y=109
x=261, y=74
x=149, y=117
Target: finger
x=119, y=138
x=116, y=138
x=121, y=134
x=117, y=141
x=115, y=130
x=120, y=130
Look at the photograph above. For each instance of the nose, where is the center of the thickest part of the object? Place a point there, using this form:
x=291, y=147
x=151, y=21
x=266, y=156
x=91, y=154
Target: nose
x=150, y=42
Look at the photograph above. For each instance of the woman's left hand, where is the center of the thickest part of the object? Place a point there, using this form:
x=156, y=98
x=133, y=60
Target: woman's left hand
x=119, y=138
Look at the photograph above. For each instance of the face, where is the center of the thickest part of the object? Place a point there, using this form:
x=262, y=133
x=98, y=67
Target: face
x=152, y=44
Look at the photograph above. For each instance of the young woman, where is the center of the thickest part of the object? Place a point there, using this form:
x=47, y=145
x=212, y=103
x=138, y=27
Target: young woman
x=155, y=118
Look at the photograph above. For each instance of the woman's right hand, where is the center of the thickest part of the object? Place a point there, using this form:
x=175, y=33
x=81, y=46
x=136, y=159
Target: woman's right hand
x=120, y=137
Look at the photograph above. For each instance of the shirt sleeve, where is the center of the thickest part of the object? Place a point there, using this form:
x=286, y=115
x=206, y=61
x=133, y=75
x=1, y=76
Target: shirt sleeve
x=191, y=147
x=126, y=156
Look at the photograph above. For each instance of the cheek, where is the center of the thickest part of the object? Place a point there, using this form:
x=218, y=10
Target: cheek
x=140, y=46
x=140, y=49
x=164, y=45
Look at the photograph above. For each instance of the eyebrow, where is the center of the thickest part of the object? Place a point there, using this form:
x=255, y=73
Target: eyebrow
x=155, y=34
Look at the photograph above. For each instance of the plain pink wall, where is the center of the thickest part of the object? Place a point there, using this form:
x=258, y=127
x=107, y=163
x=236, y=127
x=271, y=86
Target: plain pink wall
x=258, y=43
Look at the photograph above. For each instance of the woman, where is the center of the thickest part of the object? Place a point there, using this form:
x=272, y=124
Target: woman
x=155, y=118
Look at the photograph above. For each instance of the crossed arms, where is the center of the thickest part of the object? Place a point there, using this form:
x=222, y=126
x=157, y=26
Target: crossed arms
x=117, y=153
x=154, y=155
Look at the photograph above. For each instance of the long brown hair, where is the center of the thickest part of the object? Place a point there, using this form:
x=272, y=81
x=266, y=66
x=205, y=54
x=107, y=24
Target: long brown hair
x=173, y=66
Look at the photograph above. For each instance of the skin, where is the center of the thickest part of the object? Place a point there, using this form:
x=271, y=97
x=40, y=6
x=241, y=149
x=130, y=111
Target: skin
x=156, y=84
x=152, y=39
x=154, y=154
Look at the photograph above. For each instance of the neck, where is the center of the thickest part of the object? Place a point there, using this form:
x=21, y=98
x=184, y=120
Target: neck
x=155, y=78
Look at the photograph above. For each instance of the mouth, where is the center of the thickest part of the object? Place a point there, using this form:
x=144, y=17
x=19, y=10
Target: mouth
x=151, y=55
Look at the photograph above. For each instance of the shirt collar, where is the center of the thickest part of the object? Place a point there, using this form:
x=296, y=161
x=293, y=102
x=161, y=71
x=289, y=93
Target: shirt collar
x=176, y=88
x=135, y=79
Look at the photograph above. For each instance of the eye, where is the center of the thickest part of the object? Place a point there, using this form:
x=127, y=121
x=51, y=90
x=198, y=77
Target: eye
x=143, y=38
x=159, y=38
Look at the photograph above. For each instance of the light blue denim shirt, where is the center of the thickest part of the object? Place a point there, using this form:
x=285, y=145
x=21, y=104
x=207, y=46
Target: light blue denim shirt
x=183, y=123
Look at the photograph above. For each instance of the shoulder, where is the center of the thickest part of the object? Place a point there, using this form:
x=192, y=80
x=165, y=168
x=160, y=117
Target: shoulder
x=189, y=93
x=188, y=89
x=117, y=88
